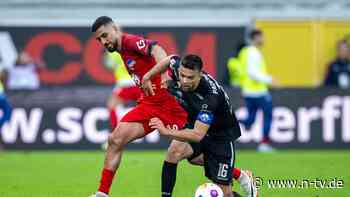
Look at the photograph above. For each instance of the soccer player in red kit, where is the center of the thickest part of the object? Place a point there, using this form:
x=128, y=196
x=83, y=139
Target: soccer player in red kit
x=139, y=55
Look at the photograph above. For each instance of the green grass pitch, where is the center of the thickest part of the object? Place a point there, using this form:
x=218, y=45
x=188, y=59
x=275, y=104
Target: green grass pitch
x=76, y=174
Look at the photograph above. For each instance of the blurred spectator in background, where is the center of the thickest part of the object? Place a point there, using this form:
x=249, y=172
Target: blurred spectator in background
x=338, y=74
x=254, y=82
x=234, y=66
x=24, y=74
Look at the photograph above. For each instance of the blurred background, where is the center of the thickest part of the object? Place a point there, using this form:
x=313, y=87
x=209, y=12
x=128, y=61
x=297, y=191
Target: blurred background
x=61, y=102
x=56, y=80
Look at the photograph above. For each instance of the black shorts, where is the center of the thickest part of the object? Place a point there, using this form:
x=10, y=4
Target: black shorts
x=219, y=159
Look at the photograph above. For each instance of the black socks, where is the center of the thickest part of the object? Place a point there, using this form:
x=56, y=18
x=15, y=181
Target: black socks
x=168, y=178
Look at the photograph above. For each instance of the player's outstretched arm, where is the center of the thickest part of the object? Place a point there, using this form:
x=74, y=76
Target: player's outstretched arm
x=160, y=67
x=193, y=135
x=158, y=53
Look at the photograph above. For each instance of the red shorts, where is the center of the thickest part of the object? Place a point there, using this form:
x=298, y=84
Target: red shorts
x=127, y=94
x=170, y=112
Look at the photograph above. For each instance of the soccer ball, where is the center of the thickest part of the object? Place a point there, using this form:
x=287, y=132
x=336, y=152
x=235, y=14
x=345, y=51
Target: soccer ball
x=209, y=190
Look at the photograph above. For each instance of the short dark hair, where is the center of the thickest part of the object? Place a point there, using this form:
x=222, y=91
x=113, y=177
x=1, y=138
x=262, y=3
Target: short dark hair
x=102, y=20
x=254, y=33
x=193, y=62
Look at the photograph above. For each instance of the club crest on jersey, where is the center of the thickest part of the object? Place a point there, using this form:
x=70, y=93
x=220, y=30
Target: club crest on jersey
x=130, y=63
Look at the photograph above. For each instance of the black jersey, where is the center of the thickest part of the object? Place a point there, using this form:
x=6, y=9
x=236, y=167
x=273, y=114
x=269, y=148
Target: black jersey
x=208, y=103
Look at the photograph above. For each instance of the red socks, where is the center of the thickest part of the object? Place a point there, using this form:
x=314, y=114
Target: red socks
x=106, y=181
x=236, y=173
x=113, y=119
x=107, y=175
x=265, y=140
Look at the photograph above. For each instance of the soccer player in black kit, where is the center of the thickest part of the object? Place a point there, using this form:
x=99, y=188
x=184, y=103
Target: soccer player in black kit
x=212, y=126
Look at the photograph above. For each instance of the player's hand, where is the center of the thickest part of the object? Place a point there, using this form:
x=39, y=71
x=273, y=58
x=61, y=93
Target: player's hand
x=148, y=87
x=165, y=78
x=156, y=123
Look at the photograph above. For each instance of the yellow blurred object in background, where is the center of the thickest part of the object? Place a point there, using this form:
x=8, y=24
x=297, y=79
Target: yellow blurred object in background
x=298, y=52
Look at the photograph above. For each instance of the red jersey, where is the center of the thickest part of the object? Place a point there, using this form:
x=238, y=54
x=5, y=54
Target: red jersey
x=136, y=54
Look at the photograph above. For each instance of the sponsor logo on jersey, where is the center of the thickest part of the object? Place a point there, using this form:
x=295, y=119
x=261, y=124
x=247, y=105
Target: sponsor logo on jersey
x=130, y=63
x=205, y=117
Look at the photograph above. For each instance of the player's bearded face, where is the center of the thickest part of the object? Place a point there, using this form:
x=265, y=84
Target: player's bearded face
x=107, y=36
x=189, y=79
x=110, y=46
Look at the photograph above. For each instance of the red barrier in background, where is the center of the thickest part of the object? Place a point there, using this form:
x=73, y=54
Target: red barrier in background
x=80, y=57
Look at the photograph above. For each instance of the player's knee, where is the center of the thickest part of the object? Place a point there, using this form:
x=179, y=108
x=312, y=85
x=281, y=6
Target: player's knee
x=115, y=141
x=175, y=153
x=110, y=139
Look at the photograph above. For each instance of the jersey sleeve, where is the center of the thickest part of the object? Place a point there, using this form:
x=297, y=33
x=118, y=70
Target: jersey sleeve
x=208, y=108
x=139, y=45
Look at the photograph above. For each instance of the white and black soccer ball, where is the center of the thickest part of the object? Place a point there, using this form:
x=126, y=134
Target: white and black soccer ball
x=209, y=190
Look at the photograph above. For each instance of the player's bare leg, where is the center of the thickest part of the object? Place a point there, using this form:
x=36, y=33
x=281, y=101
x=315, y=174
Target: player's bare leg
x=112, y=103
x=123, y=134
x=177, y=151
